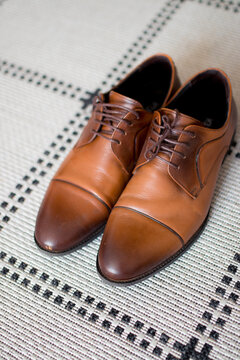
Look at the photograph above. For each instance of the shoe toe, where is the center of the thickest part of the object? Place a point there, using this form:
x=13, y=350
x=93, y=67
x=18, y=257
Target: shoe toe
x=68, y=217
x=134, y=245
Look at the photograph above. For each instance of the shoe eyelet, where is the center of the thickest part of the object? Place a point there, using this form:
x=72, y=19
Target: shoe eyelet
x=148, y=155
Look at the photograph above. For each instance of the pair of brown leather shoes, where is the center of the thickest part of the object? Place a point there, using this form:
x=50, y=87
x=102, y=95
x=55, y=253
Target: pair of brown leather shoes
x=167, y=152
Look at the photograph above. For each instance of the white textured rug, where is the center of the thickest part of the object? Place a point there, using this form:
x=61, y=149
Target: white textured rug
x=55, y=55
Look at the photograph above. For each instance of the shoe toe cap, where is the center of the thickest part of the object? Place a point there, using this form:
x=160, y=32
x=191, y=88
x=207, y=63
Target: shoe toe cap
x=134, y=245
x=67, y=217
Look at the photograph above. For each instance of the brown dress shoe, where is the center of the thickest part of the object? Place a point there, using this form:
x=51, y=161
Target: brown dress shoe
x=165, y=204
x=88, y=183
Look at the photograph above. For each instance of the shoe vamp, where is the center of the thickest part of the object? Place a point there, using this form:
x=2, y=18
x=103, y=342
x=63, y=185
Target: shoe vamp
x=153, y=192
x=95, y=168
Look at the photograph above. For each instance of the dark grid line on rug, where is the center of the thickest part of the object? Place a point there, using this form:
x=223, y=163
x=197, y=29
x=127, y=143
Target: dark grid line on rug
x=94, y=311
x=228, y=5
x=85, y=306
x=127, y=61
x=43, y=81
x=187, y=351
x=220, y=303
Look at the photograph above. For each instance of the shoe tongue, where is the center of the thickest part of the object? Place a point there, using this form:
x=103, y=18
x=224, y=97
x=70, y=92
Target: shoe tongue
x=181, y=120
x=119, y=99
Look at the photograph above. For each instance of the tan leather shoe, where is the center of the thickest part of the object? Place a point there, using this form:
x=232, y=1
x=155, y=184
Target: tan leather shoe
x=87, y=185
x=165, y=204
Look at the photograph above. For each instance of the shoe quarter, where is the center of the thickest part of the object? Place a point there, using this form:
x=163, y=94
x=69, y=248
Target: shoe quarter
x=207, y=156
x=201, y=153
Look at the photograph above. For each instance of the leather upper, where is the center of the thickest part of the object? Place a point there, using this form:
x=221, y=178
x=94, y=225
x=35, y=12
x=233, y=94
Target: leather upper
x=101, y=163
x=173, y=182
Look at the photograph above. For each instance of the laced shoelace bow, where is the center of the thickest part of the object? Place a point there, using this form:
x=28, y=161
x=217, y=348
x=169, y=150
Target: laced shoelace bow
x=166, y=139
x=111, y=115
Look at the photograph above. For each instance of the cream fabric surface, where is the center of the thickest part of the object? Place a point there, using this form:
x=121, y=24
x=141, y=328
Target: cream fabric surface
x=54, y=56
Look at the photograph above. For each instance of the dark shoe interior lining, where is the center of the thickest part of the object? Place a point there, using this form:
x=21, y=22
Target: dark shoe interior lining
x=205, y=98
x=149, y=83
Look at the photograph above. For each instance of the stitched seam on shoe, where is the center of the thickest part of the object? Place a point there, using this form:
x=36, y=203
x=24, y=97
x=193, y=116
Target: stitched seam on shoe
x=198, y=156
x=81, y=188
x=153, y=219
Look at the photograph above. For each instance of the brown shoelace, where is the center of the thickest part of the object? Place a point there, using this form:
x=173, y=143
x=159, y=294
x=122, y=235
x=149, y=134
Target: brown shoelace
x=111, y=115
x=166, y=141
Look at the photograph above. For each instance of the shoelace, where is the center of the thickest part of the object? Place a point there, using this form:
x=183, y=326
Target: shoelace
x=111, y=115
x=166, y=141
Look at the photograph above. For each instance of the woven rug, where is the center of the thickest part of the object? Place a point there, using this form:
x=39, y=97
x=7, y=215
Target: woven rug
x=55, y=56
